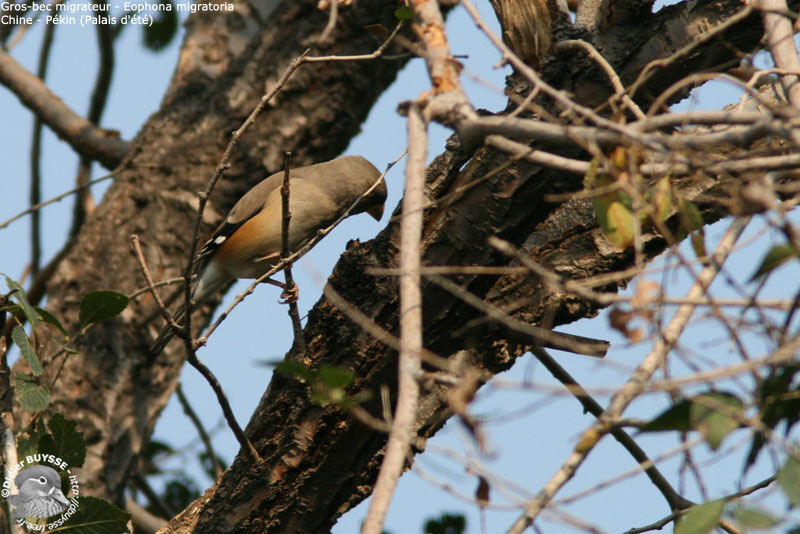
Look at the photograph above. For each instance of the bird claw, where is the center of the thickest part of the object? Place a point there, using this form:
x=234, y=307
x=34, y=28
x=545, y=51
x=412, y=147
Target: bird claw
x=289, y=295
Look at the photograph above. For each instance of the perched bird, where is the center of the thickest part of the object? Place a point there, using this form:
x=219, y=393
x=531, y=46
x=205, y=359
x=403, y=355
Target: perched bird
x=248, y=242
x=39, y=492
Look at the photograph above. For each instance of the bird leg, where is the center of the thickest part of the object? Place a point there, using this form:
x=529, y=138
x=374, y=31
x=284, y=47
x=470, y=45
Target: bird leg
x=289, y=294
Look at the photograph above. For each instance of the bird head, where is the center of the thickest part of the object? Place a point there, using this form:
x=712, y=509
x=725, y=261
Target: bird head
x=361, y=176
x=376, y=200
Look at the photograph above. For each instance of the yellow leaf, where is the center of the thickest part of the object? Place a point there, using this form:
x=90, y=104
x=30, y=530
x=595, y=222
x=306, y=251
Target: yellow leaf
x=620, y=225
x=661, y=195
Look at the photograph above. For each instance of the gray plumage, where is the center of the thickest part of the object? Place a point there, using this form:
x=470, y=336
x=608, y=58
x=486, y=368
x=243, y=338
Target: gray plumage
x=39, y=493
x=248, y=242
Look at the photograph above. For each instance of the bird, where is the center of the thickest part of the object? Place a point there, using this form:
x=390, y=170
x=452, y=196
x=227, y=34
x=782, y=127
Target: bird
x=248, y=242
x=39, y=492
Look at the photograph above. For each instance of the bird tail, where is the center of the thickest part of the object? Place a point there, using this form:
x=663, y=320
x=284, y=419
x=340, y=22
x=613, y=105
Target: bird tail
x=167, y=333
x=203, y=287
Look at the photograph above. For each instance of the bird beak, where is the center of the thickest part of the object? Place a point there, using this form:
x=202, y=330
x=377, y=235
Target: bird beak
x=376, y=212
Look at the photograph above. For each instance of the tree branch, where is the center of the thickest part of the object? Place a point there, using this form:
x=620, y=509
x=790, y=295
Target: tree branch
x=635, y=385
x=405, y=416
x=88, y=140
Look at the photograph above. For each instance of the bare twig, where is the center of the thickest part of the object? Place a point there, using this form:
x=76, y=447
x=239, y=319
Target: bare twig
x=36, y=149
x=405, y=415
x=675, y=501
x=379, y=52
x=635, y=385
x=332, y=15
x=780, y=36
x=619, y=89
x=216, y=467
x=84, y=202
x=540, y=157
x=783, y=354
x=585, y=291
x=535, y=130
x=661, y=523
x=57, y=198
x=137, y=253
x=230, y=418
x=291, y=288
x=651, y=67
x=700, y=117
x=540, y=336
x=358, y=317
x=142, y=290
x=559, y=96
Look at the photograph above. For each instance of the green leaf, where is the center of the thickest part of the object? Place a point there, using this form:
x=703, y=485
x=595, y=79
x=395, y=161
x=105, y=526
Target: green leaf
x=95, y=516
x=789, y=480
x=700, y=519
x=180, y=491
x=31, y=396
x=64, y=441
x=674, y=418
x=754, y=518
x=98, y=306
x=403, y=13
x=163, y=29
x=43, y=314
x=446, y=524
x=698, y=239
x=51, y=319
x=590, y=178
x=27, y=446
x=335, y=376
x=21, y=341
x=28, y=440
x=711, y=414
x=22, y=299
x=778, y=401
x=691, y=217
x=777, y=256
x=153, y=449
x=294, y=369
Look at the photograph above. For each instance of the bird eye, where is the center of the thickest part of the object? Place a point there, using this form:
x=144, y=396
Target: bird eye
x=42, y=480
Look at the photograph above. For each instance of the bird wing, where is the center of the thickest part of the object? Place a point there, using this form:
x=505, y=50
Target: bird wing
x=325, y=189
x=245, y=209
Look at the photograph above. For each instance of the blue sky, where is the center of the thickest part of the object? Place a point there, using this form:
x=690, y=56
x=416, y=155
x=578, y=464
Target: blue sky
x=530, y=431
